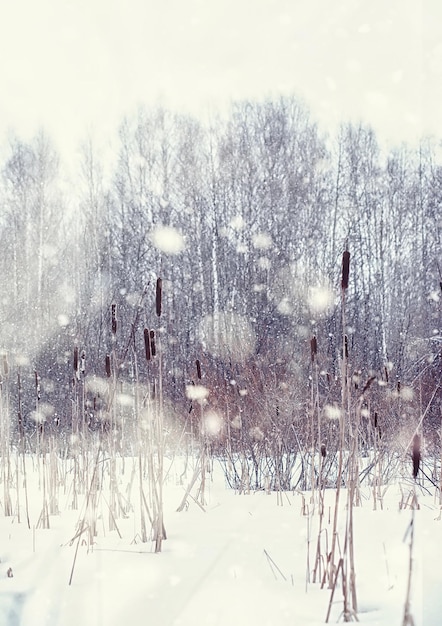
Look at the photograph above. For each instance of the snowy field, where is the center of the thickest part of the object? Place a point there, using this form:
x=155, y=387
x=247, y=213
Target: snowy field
x=242, y=559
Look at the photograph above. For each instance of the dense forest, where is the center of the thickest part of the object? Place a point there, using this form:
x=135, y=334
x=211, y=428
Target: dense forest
x=244, y=220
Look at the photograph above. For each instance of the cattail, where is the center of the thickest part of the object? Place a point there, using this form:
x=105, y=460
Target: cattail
x=158, y=296
x=386, y=374
x=346, y=346
x=153, y=349
x=323, y=451
x=198, y=369
x=416, y=454
x=147, y=344
x=377, y=426
x=345, y=269
x=75, y=359
x=37, y=385
x=313, y=347
x=108, y=365
x=114, y=318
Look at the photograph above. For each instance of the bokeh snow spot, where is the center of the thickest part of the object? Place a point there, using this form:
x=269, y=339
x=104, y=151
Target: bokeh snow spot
x=125, y=399
x=294, y=287
x=284, y=307
x=196, y=392
x=63, y=320
x=22, y=360
x=237, y=223
x=264, y=263
x=320, y=298
x=212, y=423
x=167, y=239
x=258, y=287
x=262, y=241
x=45, y=411
x=405, y=393
x=332, y=411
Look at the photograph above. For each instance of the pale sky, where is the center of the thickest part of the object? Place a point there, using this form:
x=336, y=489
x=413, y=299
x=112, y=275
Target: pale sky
x=77, y=66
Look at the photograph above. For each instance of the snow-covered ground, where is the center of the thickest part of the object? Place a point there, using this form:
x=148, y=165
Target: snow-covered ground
x=242, y=559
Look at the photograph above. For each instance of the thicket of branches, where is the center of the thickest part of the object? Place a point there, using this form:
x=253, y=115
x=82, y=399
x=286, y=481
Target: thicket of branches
x=260, y=207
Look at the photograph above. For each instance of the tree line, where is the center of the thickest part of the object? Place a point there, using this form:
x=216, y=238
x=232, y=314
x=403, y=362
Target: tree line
x=244, y=219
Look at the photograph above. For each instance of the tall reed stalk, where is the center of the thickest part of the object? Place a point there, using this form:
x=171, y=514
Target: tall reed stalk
x=159, y=530
x=21, y=432
x=344, y=391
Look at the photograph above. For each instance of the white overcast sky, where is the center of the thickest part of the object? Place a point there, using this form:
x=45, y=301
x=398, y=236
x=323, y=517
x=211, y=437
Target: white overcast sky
x=76, y=67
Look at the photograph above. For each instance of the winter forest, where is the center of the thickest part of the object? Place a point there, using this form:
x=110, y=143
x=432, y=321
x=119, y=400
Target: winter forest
x=245, y=222
x=246, y=291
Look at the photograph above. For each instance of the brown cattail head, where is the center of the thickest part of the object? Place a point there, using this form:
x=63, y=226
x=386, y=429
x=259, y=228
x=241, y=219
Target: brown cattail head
x=313, y=347
x=159, y=296
x=147, y=344
x=75, y=359
x=153, y=349
x=108, y=365
x=114, y=318
x=323, y=451
x=198, y=368
x=345, y=269
x=386, y=374
x=346, y=346
x=377, y=425
x=416, y=454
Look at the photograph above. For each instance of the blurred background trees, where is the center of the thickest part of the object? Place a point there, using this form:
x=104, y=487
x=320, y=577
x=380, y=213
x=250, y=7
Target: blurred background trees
x=245, y=219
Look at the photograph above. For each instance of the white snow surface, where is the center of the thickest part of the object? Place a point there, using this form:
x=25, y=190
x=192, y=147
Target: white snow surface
x=241, y=559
